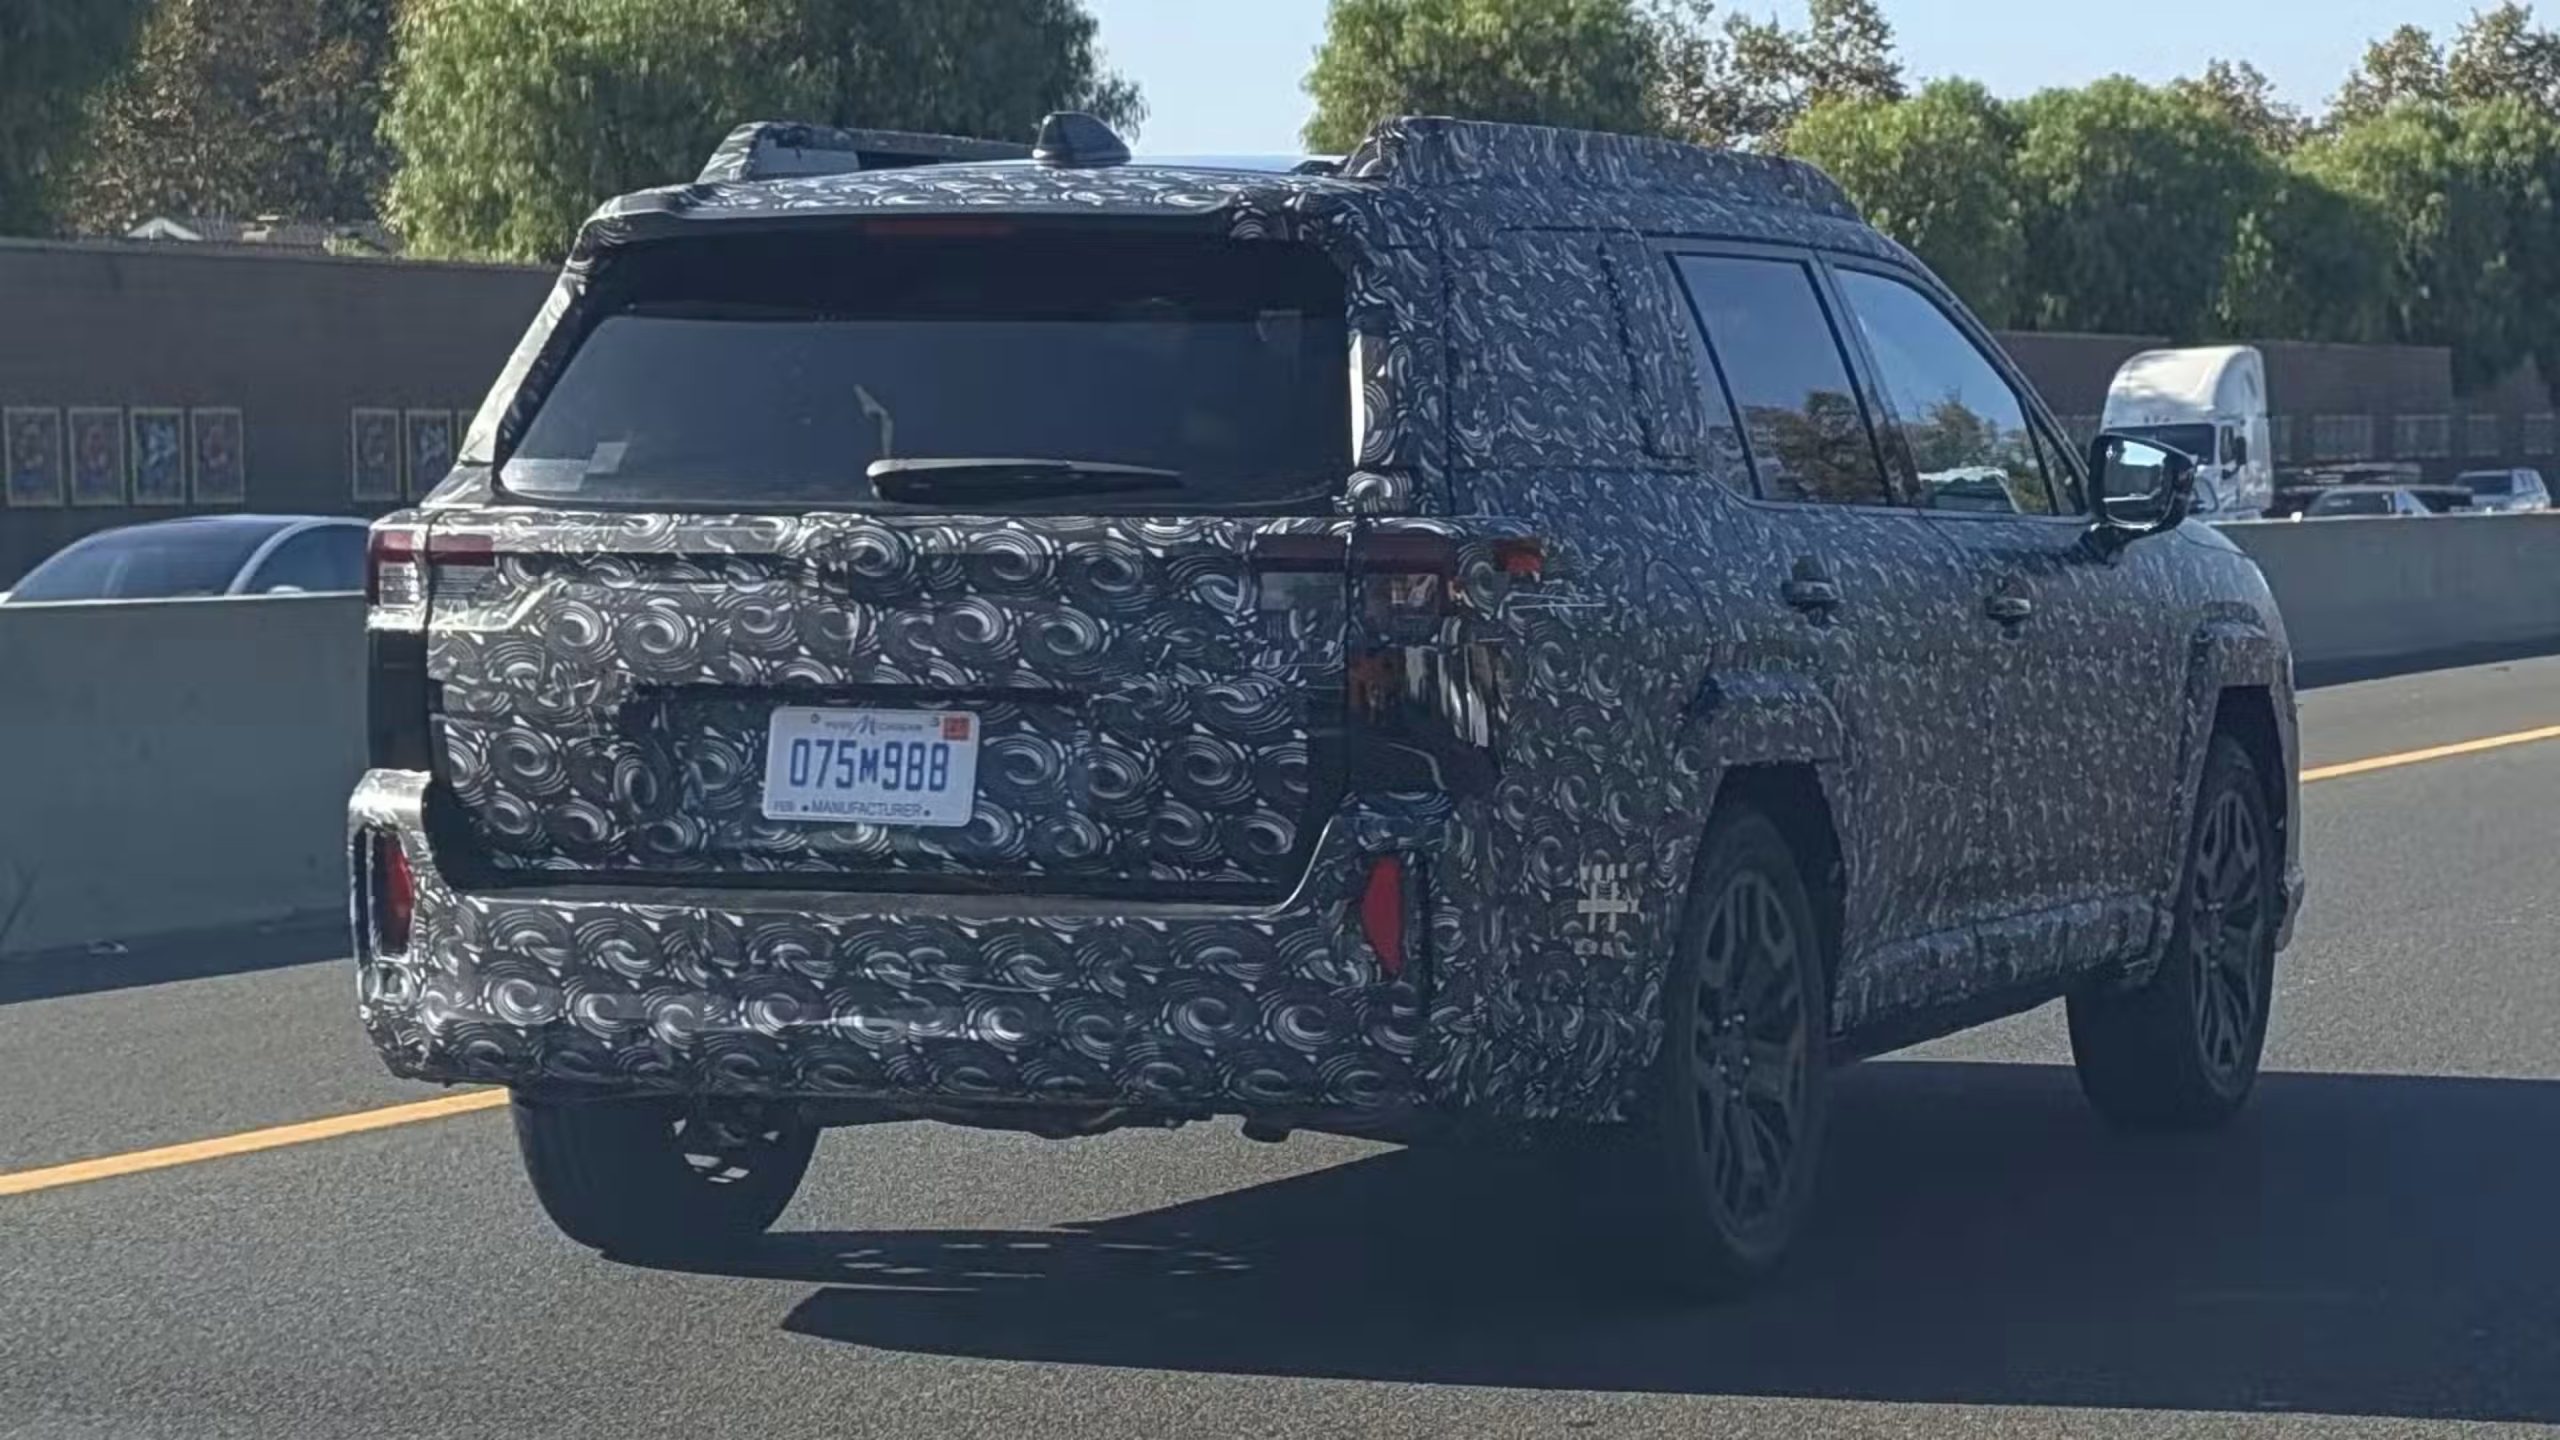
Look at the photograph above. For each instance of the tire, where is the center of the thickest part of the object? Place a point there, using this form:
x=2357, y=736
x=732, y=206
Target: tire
x=1727, y=1146
x=630, y=1178
x=2182, y=1052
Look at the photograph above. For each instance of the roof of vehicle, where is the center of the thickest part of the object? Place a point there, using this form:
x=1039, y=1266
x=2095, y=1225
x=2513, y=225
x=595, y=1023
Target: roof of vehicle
x=228, y=523
x=1454, y=162
x=2184, y=380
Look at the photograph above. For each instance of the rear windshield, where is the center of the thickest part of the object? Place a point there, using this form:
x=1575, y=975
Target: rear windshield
x=2371, y=503
x=774, y=370
x=144, y=565
x=2491, y=482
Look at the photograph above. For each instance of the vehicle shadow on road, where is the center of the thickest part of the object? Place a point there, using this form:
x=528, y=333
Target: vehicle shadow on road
x=2359, y=1245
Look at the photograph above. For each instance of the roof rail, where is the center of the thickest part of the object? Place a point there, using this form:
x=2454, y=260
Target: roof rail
x=781, y=149
x=1432, y=153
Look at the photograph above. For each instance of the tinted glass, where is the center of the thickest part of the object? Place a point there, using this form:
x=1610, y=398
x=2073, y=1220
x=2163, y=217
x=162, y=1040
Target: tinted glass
x=1725, y=450
x=2372, y=503
x=1969, y=437
x=145, y=564
x=2491, y=482
x=775, y=370
x=315, y=562
x=1779, y=358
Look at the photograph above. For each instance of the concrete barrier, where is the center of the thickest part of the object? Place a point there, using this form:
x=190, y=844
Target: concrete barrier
x=175, y=766
x=2361, y=595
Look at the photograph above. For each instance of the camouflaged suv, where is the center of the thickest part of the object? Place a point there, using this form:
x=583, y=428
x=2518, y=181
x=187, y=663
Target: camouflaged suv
x=1511, y=631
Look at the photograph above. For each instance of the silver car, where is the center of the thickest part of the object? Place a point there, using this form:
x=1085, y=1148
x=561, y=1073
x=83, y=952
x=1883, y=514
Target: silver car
x=2506, y=492
x=203, y=555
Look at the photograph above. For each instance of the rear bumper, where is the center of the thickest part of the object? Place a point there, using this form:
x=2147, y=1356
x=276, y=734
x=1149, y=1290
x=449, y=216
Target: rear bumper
x=1184, y=1009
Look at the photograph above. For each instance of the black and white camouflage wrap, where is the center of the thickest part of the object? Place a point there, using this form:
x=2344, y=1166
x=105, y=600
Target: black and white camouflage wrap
x=2008, y=807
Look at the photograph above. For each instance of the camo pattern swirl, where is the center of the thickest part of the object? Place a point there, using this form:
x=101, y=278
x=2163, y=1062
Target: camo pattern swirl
x=1528, y=377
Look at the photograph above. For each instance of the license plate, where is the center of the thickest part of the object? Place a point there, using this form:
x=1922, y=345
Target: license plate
x=872, y=767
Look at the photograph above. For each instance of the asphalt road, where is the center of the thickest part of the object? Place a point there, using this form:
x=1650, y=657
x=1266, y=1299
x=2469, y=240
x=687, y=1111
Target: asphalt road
x=2373, y=1250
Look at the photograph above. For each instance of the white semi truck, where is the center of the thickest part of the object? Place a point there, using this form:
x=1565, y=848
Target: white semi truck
x=2210, y=402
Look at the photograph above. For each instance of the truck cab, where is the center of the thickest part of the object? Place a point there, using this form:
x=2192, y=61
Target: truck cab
x=2210, y=403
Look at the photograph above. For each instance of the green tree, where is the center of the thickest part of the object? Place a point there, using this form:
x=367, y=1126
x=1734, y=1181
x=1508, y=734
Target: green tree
x=2308, y=262
x=2130, y=199
x=1749, y=81
x=2510, y=149
x=2501, y=53
x=2242, y=95
x=2433, y=178
x=1584, y=63
x=240, y=108
x=1936, y=172
x=513, y=118
x=2403, y=66
x=52, y=53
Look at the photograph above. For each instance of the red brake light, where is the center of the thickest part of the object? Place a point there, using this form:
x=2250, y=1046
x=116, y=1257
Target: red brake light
x=1382, y=913
x=1524, y=558
x=395, y=894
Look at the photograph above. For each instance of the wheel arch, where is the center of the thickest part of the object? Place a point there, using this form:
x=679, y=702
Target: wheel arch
x=2238, y=682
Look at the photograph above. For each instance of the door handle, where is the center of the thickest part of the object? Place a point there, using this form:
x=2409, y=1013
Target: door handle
x=2008, y=609
x=1811, y=594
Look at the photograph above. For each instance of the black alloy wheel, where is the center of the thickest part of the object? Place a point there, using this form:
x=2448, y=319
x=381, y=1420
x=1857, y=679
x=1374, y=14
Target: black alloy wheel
x=1749, y=1055
x=2182, y=1050
x=1726, y=1147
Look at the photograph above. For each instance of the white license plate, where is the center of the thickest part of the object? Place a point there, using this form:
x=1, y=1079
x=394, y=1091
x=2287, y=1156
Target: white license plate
x=872, y=767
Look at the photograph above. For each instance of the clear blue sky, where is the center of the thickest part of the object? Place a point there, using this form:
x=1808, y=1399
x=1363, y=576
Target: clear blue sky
x=1222, y=75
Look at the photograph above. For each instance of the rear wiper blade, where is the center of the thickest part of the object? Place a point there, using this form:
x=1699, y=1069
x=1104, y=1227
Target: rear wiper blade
x=925, y=479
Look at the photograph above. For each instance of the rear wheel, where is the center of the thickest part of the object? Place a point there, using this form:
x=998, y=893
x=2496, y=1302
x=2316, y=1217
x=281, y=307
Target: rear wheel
x=1730, y=1142
x=649, y=1177
x=2182, y=1052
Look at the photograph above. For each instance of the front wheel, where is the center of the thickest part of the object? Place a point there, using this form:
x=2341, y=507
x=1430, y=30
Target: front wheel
x=1729, y=1142
x=2181, y=1053
x=660, y=1178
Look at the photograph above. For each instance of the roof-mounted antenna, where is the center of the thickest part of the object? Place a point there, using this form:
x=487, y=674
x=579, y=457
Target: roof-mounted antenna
x=1070, y=140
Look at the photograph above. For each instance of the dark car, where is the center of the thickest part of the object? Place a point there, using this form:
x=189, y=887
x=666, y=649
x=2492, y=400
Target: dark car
x=1440, y=645
x=203, y=555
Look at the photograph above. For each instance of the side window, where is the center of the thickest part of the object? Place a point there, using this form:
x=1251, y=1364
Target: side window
x=316, y=562
x=1727, y=460
x=2060, y=466
x=1969, y=436
x=1773, y=346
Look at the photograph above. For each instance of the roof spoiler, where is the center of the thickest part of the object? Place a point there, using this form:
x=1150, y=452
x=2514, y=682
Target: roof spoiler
x=782, y=149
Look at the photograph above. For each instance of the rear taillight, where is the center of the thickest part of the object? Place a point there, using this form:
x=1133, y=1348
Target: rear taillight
x=1382, y=913
x=398, y=557
x=401, y=560
x=395, y=574
x=1420, y=670
x=395, y=895
x=1404, y=584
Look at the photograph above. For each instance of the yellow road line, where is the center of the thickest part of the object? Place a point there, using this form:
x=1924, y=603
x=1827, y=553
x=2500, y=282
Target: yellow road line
x=2433, y=752
x=27, y=1182
x=54, y=1177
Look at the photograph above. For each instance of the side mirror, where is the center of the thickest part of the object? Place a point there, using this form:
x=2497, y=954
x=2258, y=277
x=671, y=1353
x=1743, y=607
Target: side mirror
x=2144, y=488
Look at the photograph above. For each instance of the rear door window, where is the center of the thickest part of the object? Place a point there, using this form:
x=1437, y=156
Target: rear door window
x=1774, y=349
x=773, y=370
